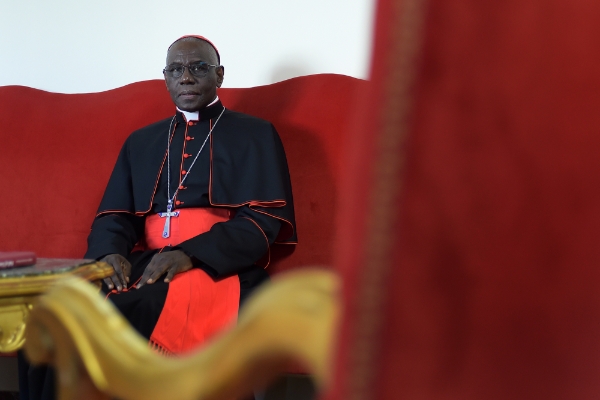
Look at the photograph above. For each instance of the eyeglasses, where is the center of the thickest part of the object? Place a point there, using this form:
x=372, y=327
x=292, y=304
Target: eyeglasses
x=199, y=69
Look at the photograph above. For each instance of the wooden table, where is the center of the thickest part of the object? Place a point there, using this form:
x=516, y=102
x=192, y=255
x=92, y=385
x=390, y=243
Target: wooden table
x=19, y=288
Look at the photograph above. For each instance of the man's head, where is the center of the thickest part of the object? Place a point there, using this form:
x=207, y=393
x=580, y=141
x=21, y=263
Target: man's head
x=193, y=90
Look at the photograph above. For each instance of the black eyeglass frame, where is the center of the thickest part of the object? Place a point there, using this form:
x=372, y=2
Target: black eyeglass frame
x=196, y=74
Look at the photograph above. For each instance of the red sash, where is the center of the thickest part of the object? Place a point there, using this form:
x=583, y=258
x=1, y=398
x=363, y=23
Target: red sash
x=196, y=307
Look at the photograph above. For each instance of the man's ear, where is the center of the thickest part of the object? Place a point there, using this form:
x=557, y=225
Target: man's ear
x=220, y=75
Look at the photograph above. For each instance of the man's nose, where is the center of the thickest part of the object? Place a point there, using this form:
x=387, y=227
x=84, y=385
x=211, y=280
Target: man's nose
x=187, y=76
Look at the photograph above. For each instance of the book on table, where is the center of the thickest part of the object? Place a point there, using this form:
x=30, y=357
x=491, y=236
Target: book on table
x=15, y=259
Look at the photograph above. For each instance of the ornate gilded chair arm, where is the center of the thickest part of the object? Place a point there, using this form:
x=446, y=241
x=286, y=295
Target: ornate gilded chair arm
x=99, y=356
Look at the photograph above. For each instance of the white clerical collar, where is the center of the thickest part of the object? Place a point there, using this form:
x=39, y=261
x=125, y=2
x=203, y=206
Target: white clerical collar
x=195, y=115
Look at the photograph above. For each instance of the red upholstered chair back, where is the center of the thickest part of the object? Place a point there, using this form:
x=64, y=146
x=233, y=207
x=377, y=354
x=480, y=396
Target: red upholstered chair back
x=472, y=261
x=57, y=152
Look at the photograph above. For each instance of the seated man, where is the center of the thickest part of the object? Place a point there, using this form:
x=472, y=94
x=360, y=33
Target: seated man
x=197, y=198
x=191, y=209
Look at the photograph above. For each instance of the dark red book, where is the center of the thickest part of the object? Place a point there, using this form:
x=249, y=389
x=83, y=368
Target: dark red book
x=14, y=259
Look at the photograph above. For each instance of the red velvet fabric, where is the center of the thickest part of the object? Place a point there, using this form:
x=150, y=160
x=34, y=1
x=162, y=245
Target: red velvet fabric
x=58, y=151
x=484, y=228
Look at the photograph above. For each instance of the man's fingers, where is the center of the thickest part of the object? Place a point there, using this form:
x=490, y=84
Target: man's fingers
x=157, y=272
x=180, y=262
x=122, y=272
x=116, y=283
x=172, y=263
x=126, y=270
x=108, y=282
x=154, y=270
x=170, y=274
x=117, y=280
x=144, y=278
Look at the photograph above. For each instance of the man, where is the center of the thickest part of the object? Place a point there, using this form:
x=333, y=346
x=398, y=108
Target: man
x=191, y=209
x=226, y=176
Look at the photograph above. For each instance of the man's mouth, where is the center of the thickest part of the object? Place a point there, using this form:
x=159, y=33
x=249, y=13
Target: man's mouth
x=188, y=93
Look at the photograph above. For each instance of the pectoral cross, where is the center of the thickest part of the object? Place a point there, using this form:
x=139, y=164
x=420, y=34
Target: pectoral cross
x=168, y=215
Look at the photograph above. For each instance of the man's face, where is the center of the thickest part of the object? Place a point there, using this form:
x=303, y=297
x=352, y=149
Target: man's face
x=191, y=93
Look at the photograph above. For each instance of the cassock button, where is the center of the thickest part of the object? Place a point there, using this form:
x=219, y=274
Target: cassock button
x=187, y=155
x=178, y=202
x=181, y=187
x=191, y=123
x=189, y=138
x=184, y=172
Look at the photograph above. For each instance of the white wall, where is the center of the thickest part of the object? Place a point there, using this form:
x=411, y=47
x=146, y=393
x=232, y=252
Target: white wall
x=76, y=46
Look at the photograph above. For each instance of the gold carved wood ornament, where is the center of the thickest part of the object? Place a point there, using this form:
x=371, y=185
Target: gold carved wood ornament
x=98, y=355
x=20, y=288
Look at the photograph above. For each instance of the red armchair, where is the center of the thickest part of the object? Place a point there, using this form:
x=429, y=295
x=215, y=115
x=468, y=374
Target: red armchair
x=471, y=263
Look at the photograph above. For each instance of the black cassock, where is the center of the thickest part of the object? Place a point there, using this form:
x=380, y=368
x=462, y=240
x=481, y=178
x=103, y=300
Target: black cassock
x=242, y=167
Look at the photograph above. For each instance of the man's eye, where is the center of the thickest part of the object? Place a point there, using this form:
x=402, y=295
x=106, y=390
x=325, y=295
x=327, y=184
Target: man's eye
x=198, y=68
x=175, y=68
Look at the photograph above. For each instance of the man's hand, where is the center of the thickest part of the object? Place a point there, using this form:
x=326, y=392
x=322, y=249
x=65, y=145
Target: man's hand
x=171, y=262
x=122, y=269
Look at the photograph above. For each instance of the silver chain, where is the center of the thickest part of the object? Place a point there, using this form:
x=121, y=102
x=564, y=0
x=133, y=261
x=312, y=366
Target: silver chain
x=170, y=200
